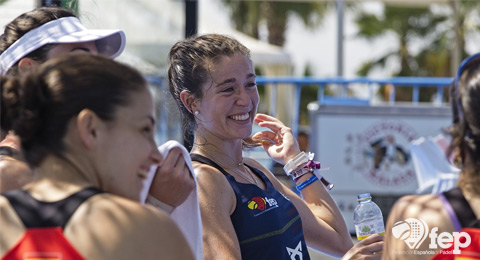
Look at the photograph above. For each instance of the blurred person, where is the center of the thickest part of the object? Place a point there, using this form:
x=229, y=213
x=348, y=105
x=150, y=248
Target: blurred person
x=29, y=40
x=456, y=210
x=86, y=125
x=246, y=212
x=48, y=32
x=303, y=141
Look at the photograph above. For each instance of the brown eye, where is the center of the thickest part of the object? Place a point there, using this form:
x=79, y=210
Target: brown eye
x=147, y=129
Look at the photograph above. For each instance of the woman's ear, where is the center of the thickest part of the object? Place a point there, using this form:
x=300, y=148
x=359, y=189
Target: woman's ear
x=26, y=64
x=88, y=126
x=188, y=101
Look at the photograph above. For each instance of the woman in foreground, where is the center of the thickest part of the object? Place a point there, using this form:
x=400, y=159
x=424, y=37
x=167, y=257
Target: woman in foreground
x=86, y=128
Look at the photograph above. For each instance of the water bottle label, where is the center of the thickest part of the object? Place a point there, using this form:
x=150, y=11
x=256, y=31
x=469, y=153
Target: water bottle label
x=368, y=228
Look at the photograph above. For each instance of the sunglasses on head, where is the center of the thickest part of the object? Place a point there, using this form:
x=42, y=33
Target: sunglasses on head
x=460, y=70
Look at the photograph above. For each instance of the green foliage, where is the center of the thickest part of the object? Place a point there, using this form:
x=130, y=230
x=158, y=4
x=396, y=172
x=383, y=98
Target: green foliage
x=248, y=15
x=245, y=15
x=414, y=25
x=309, y=94
x=262, y=92
x=71, y=5
x=369, y=26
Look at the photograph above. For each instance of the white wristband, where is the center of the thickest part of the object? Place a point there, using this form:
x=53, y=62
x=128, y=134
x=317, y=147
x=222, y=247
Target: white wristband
x=297, y=162
x=159, y=204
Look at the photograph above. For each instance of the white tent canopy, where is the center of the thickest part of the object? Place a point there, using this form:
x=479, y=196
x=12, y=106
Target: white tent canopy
x=262, y=53
x=152, y=27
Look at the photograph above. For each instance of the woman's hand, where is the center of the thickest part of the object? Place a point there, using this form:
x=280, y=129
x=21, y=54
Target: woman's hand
x=173, y=181
x=369, y=248
x=282, y=145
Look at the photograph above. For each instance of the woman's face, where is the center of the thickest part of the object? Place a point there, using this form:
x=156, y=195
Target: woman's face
x=230, y=99
x=129, y=149
x=66, y=48
x=60, y=50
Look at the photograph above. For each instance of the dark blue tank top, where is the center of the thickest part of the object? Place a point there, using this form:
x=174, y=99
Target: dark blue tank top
x=266, y=222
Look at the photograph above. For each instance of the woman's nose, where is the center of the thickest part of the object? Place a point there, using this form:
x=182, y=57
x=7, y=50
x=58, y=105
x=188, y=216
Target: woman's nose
x=243, y=98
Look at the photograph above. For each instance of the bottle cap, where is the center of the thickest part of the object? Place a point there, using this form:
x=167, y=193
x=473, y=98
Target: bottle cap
x=364, y=196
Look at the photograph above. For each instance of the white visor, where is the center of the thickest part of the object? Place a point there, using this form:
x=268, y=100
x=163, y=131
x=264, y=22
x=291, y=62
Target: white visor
x=64, y=30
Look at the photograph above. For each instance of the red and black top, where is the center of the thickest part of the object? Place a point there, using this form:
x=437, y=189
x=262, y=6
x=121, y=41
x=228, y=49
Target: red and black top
x=45, y=222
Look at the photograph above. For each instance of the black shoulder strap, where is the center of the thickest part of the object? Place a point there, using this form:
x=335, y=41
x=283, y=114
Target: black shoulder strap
x=9, y=151
x=205, y=160
x=34, y=213
x=462, y=208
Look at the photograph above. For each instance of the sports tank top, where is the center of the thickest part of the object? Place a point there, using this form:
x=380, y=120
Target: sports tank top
x=458, y=209
x=44, y=222
x=464, y=221
x=266, y=222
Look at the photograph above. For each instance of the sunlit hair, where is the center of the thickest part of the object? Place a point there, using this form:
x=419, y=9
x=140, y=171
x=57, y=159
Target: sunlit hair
x=39, y=104
x=465, y=131
x=190, y=62
x=27, y=22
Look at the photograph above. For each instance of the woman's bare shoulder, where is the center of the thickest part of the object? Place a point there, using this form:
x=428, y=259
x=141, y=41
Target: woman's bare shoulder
x=122, y=227
x=417, y=206
x=108, y=206
x=214, y=190
x=427, y=207
x=209, y=177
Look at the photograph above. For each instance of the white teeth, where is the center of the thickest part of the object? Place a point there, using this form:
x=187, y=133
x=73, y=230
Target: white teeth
x=142, y=173
x=241, y=117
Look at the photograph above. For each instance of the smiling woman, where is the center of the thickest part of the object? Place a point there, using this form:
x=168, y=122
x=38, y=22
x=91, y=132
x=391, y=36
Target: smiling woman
x=86, y=127
x=246, y=212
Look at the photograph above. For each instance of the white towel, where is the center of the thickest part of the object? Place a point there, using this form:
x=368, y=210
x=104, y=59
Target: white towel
x=434, y=172
x=187, y=215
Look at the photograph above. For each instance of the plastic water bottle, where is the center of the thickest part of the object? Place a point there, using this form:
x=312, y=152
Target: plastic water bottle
x=367, y=217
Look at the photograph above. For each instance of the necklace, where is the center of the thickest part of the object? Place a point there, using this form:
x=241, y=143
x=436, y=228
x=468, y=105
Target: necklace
x=237, y=164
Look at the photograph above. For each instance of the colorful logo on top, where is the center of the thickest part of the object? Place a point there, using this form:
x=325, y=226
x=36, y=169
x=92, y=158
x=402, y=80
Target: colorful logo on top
x=262, y=205
x=257, y=203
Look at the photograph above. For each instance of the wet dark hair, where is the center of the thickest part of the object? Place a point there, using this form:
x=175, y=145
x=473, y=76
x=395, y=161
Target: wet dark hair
x=189, y=69
x=27, y=22
x=465, y=131
x=39, y=104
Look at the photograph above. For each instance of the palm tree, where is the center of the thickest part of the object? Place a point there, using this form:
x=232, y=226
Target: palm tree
x=248, y=15
x=245, y=15
x=436, y=58
x=409, y=25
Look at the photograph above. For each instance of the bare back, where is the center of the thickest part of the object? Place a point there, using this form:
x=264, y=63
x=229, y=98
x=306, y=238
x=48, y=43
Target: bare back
x=109, y=227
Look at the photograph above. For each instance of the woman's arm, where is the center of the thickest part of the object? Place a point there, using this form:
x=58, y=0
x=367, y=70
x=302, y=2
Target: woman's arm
x=217, y=202
x=323, y=224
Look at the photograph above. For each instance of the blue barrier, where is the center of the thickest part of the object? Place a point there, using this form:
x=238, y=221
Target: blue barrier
x=415, y=82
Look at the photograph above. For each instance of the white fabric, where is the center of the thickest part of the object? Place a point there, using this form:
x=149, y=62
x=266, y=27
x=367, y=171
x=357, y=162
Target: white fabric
x=187, y=215
x=433, y=170
x=110, y=43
